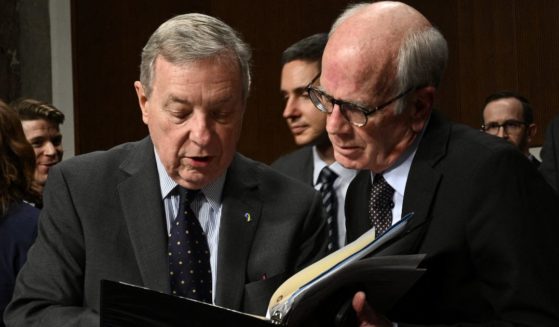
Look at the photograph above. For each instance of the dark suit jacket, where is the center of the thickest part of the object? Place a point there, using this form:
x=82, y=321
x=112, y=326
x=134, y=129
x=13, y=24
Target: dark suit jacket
x=488, y=223
x=103, y=218
x=298, y=164
x=550, y=154
x=18, y=230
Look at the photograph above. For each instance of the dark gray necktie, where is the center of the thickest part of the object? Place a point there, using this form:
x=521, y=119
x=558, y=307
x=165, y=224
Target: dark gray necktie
x=189, y=255
x=330, y=204
x=381, y=204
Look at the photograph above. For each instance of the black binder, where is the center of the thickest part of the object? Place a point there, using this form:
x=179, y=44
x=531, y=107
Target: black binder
x=322, y=297
x=125, y=305
x=326, y=303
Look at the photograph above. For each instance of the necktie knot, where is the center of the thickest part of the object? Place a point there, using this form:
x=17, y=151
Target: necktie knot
x=187, y=195
x=327, y=176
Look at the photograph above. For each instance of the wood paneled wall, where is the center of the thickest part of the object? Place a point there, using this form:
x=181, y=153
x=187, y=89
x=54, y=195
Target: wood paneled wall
x=494, y=45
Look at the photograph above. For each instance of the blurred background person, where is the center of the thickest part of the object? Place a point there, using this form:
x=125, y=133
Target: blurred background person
x=18, y=219
x=510, y=116
x=41, y=124
x=314, y=162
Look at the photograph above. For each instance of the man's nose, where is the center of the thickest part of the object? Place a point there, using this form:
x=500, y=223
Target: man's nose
x=502, y=133
x=291, y=108
x=50, y=149
x=336, y=123
x=200, y=130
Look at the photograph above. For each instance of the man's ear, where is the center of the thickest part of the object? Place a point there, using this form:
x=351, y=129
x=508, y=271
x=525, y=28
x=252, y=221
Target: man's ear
x=531, y=131
x=142, y=100
x=423, y=101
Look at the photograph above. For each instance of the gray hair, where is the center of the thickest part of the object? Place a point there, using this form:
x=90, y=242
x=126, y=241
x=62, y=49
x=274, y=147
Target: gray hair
x=421, y=60
x=191, y=37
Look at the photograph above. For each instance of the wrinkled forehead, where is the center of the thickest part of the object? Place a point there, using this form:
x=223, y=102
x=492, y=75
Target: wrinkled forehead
x=352, y=64
x=366, y=44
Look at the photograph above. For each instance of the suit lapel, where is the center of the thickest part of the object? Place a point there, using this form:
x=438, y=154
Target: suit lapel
x=239, y=219
x=140, y=198
x=421, y=186
x=308, y=166
x=357, y=207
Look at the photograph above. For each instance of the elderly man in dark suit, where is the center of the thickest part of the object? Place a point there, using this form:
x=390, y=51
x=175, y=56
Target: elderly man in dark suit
x=483, y=215
x=239, y=227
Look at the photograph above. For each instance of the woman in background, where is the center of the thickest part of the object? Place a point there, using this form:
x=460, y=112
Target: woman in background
x=18, y=219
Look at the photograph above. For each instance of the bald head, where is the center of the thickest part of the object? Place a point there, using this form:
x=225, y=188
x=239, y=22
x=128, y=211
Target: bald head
x=386, y=60
x=366, y=40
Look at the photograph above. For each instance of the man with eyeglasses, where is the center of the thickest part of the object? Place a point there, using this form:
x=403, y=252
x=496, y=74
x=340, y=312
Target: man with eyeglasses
x=509, y=115
x=314, y=162
x=482, y=214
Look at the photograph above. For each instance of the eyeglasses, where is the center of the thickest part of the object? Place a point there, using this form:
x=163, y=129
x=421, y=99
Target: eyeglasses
x=353, y=113
x=509, y=127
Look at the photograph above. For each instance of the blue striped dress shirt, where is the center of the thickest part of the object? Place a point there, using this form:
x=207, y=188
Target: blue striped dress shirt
x=207, y=208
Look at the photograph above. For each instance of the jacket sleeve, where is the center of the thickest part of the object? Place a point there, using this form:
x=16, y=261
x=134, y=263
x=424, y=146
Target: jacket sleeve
x=49, y=288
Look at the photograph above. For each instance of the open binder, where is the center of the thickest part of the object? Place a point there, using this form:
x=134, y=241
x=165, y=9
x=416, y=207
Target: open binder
x=317, y=295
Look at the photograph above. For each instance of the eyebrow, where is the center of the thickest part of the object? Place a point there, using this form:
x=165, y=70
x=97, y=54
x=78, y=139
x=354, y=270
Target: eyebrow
x=356, y=103
x=174, y=99
x=300, y=89
x=37, y=138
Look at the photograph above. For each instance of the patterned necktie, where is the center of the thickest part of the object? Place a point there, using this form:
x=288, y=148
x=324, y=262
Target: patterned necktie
x=330, y=204
x=381, y=204
x=189, y=255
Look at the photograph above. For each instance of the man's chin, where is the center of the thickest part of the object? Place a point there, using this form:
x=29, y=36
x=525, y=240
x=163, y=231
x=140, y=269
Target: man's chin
x=348, y=162
x=302, y=140
x=195, y=179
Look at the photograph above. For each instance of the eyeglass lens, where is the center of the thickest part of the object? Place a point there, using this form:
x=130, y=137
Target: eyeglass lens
x=509, y=126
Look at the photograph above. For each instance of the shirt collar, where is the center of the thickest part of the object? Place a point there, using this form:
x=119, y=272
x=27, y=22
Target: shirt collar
x=397, y=175
x=342, y=172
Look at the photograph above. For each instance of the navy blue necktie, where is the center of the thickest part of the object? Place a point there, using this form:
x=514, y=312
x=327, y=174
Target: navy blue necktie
x=381, y=204
x=330, y=204
x=189, y=255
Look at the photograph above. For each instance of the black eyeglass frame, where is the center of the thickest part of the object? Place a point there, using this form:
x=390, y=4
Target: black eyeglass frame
x=505, y=125
x=341, y=103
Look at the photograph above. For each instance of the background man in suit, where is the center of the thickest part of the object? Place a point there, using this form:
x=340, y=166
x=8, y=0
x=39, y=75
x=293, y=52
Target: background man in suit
x=110, y=215
x=483, y=215
x=301, y=64
x=509, y=116
x=550, y=154
x=41, y=123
